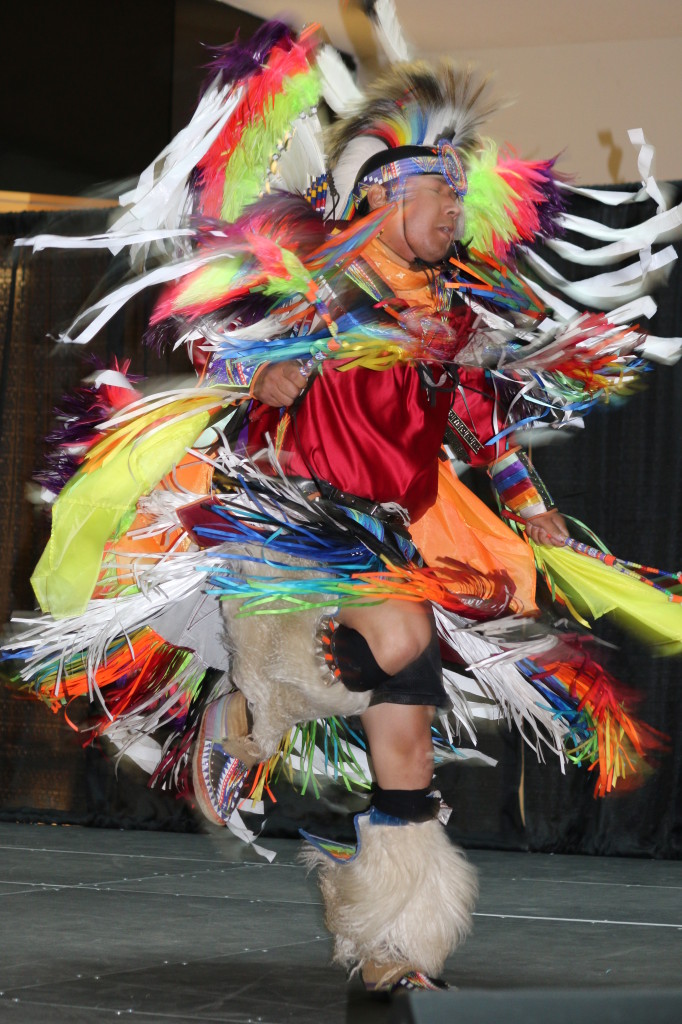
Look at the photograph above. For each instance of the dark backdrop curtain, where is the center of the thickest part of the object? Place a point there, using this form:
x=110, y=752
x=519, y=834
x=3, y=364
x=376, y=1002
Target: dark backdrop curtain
x=44, y=771
x=622, y=476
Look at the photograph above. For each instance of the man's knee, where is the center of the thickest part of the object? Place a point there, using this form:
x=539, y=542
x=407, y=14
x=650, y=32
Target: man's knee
x=397, y=649
x=400, y=666
x=397, y=634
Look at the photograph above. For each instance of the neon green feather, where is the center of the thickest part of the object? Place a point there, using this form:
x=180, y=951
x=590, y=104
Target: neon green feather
x=208, y=283
x=487, y=201
x=298, y=279
x=246, y=171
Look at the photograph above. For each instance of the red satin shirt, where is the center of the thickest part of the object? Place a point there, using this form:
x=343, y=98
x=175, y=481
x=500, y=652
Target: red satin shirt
x=370, y=432
x=373, y=433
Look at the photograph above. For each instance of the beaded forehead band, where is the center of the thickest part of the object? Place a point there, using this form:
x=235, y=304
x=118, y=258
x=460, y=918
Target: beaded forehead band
x=443, y=160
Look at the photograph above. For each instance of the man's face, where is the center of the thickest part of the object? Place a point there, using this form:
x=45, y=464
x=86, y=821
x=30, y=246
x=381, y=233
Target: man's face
x=429, y=221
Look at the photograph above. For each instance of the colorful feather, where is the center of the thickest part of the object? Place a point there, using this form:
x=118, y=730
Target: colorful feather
x=101, y=497
x=281, y=88
x=602, y=732
x=510, y=202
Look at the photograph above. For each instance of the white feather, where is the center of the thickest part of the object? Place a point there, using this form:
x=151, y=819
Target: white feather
x=354, y=156
x=338, y=87
x=389, y=32
x=303, y=159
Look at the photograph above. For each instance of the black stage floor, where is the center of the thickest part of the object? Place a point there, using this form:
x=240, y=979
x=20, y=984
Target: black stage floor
x=99, y=925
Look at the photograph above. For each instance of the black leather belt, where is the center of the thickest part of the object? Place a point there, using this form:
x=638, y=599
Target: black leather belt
x=322, y=489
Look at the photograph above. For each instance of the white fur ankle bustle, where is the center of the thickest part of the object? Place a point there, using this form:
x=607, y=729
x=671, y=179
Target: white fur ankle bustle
x=404, y=900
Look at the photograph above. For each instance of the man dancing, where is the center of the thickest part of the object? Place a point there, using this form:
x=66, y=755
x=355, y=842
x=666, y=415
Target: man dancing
x=372, y=441
x=345, y=349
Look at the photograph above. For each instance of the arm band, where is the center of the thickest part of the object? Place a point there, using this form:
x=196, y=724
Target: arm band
x=238, y=374
x=518, y=486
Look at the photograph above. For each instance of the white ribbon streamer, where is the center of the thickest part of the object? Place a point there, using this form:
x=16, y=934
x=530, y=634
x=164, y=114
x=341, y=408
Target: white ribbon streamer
x=113, y=240
x=664, y=227
x=158, y=197
x=645, y=159
x=606, y=291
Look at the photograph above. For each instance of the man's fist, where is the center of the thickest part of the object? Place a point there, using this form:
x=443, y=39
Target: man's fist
x=279, y=384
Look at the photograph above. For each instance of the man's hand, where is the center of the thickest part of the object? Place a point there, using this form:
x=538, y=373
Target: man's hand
x=279, y=384
x=547, y=528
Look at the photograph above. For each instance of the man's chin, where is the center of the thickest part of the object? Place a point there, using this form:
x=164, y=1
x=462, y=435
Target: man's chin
x=436, y=257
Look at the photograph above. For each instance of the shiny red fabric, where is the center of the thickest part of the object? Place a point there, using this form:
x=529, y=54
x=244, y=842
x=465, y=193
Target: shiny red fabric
x=371, y=433
x=377, y=433
x=475, y=405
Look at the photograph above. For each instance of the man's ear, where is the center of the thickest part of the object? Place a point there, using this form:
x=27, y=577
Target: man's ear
x=376, y=196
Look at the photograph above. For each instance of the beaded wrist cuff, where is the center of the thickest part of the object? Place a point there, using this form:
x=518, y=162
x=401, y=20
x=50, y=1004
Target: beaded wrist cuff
x=238, y=374
x=519, y=487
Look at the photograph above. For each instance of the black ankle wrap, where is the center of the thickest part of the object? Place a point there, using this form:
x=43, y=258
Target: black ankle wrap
x=407, y=804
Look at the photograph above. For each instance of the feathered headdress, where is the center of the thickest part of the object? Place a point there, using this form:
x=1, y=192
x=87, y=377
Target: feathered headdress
x=416, y=104
x=256, y=130
x=426, y=117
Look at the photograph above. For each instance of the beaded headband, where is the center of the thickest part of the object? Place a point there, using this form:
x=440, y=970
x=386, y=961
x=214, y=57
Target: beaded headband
x=443, y=159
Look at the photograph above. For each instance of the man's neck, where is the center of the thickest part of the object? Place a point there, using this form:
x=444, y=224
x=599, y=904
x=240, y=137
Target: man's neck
x=394, y=257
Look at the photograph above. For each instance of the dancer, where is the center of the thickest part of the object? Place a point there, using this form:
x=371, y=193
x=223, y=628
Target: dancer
x=334, y=355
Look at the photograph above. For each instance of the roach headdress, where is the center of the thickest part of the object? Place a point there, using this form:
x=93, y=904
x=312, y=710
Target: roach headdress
x=418, y=117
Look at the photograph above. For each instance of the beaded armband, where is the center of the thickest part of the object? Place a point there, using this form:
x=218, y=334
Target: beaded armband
x=238, y=374
x=518, y=485
x=460, y=438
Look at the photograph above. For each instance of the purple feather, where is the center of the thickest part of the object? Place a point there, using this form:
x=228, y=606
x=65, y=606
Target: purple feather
x=235, y=61
x=81, y=413
x=555, y=201
x=161, y=337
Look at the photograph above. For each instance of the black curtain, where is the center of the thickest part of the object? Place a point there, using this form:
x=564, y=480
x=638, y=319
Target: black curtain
x=102, y=91
x=44, y=770
x=93, y=93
